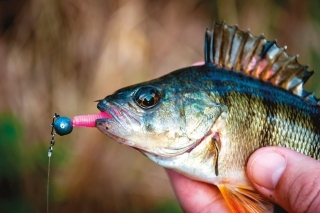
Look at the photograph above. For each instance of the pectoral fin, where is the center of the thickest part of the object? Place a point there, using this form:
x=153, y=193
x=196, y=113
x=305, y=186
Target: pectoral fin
x=244, y=199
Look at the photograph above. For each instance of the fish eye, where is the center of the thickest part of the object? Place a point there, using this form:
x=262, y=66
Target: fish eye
x=147, y=97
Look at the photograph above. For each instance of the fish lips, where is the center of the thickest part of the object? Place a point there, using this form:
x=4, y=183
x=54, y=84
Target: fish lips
x=111, y=123
x=119, y=125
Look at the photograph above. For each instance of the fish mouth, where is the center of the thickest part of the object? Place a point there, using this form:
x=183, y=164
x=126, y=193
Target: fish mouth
x=104, y=125
x=119, y=116
x=107, y=125
x=119, y=124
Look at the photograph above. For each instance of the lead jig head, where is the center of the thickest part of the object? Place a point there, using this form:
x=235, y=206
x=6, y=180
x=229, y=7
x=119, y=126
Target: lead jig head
x=62, y=125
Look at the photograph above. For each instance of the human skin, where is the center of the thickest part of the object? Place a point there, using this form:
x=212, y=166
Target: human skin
x=286, y=177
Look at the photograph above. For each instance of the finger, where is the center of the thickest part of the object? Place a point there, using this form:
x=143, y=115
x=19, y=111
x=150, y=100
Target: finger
x=199, y=63
x=288, y=178
x=196, y=196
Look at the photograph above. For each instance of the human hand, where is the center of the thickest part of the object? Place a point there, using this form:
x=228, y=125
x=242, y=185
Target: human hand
x=195, y=196
x=288, y=178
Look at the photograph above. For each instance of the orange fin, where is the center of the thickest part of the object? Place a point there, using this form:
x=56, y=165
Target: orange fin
x=244, y=199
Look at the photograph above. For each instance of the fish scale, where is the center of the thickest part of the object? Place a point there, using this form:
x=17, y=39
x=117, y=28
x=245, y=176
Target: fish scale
x=280, y=123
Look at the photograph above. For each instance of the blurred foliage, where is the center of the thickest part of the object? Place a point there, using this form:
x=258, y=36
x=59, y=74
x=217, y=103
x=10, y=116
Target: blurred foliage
x=60, y=55
x=12, y=198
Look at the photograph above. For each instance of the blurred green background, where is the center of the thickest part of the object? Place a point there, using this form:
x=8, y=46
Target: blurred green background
x=61, y=55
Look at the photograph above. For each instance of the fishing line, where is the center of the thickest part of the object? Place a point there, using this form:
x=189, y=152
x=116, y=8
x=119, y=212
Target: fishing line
x=49, y=155
x=48, y=184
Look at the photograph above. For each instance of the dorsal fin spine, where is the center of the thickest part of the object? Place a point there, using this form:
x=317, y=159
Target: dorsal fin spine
x=237, y=64
x=266, y=48
x=216, y=46
x=229, y=47
x=256, y=45
x=265, y=75
x=208, y=46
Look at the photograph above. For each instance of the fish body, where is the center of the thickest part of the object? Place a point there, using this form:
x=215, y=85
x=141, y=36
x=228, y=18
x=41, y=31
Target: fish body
x=205, y=121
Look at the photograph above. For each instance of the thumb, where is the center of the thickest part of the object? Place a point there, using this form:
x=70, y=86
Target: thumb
x=288, y=178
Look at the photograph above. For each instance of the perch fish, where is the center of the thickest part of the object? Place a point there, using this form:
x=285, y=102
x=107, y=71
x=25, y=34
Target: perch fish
x=205, y=121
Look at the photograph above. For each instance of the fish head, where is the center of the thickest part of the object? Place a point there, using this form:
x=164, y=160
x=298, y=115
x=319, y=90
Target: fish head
x=165, y=117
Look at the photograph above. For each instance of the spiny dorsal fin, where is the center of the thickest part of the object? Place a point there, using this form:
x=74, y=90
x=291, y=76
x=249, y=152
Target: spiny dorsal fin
x=233, y=49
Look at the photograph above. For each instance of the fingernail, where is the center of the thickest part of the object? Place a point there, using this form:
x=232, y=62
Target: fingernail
x=267, y=168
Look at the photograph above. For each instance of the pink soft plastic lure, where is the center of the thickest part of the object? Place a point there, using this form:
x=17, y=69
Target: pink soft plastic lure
x=88, y=120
